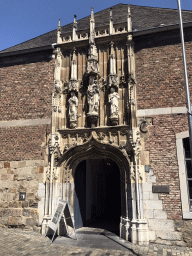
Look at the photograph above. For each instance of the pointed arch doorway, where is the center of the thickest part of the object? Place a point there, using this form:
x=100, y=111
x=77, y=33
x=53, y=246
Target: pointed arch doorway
x=97, y=194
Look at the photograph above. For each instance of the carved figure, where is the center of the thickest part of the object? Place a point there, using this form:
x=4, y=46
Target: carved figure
x=73, y=105
x=114, y=101
x=93, y=97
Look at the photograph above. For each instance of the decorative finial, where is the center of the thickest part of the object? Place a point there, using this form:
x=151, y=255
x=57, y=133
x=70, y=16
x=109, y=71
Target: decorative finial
x=59, y=40
x=110, y=23
x=75, y=16
x=92, y=14
x=129, y=11
x=110, y=13
x=59, y=24
x=129, y=23
x=74, y=35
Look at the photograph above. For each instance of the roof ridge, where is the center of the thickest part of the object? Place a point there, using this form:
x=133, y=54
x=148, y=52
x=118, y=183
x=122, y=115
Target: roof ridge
x=167, y=15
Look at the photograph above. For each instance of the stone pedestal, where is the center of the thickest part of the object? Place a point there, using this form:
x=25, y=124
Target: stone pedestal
x=142, y=232
x=134, y=231
x=124, y=228
x=45, y=223
x=139, y=232
x=92, y=119
x=73, y=124
x=114, y=120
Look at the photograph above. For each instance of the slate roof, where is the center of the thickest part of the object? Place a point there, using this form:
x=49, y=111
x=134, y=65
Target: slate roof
x=143, y=18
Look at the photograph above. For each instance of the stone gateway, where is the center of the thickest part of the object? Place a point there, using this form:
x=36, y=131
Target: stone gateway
x=93, y=113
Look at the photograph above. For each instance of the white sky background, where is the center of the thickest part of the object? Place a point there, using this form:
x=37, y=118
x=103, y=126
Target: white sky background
x=22, y=20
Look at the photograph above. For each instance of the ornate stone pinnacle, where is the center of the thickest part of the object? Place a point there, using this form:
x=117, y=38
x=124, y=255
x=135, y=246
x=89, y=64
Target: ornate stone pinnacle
x=129, y=23
x=59, y=24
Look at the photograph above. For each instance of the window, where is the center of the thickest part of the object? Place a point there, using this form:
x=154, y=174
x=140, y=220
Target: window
x=188, y=166
x=185, y=173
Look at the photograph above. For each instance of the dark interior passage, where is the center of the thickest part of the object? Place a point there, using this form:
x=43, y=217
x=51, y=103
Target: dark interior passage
x=97, y=194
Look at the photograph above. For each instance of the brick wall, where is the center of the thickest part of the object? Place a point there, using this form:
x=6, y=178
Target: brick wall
x=26, y=86
x=159, y=70
x=22, y=143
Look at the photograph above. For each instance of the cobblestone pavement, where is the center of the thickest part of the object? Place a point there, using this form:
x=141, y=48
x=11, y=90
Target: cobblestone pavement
x=26, y=243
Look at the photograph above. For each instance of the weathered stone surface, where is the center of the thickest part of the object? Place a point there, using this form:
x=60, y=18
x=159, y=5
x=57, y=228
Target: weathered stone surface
x=146, y=195
x=159, y=241
x=30, y=196
x=10, y=171
x=169, y=235
x=147, y=187
x=14, y=164
x=21, y=164
x=28, y=178
x=152, y=236
x=16, y=212
x=145, y=157
x=30, y=212
x=5, y=212
x=185, y=227
x=148, y=214
x=6, y=165
x=25, y=204
x=153, y=204
x=13, y=221
x=32, y=163
x=156, y=225
x=31, y=222
x=159, y=214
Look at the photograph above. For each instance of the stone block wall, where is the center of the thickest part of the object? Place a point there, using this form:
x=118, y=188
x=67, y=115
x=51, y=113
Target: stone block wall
x=21, y=176
x=161, y=229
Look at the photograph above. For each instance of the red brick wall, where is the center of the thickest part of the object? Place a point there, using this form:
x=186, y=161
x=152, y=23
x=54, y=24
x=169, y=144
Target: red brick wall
x=161, y=145
x=26, y=87
x=22, y=143
x=160, y=76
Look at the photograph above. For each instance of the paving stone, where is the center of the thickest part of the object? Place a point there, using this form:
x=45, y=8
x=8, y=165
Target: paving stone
x=19, y=242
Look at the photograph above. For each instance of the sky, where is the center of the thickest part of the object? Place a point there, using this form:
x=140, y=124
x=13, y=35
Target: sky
x=21, y=20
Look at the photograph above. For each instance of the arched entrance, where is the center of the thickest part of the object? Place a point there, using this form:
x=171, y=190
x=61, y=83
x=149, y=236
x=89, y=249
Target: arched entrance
x=97, y=194
x=95, y=177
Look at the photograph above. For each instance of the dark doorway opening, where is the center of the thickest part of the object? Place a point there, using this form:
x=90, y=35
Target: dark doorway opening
x=97, y=194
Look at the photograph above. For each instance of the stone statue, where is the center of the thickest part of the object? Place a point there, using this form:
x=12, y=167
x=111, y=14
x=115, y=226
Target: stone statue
x=93, y=97
x=73, y=105
x=114, y=101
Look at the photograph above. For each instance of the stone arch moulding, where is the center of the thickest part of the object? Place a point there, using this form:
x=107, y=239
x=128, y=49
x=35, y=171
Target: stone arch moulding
x=93, y=148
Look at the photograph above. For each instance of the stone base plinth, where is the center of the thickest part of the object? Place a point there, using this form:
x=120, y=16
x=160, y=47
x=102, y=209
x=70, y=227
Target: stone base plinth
x=124, y=228
x=92, y=119
x=139, y=232
x=45, y=224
